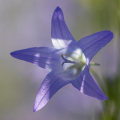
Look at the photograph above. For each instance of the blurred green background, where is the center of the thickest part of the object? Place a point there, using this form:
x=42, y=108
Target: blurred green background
x=27, y=23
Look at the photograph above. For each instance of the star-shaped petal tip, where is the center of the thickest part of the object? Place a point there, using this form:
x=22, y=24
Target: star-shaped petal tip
x=58, y=14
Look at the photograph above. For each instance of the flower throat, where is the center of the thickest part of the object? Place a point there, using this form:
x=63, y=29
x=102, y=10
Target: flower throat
x=75, y=61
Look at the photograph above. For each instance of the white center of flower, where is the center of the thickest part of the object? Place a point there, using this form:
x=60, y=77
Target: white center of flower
x=74, y=61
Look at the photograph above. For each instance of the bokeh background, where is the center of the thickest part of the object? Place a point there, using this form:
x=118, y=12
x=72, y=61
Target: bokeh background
x=27, y=23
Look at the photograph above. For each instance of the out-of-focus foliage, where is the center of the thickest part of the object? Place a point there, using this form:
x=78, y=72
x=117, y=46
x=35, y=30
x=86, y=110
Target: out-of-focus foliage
x=106, y=13
x=111, y=107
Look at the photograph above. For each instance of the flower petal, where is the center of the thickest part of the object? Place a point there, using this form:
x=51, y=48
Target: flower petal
x=91, y=44
x=51, y=84
x=86, y=84
x=41, y=56
x=61, y=36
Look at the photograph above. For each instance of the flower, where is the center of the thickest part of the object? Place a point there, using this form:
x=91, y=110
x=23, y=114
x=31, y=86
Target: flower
x=68, y=62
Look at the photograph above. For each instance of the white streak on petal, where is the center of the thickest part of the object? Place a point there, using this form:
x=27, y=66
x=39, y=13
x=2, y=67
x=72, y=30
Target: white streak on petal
x=59, y=43
x=37, y=55
x=36, y=58
x=87, y=61
x=82, y=86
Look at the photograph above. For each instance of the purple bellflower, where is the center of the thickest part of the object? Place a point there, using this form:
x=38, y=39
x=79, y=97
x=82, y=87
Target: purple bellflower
x=68, y=61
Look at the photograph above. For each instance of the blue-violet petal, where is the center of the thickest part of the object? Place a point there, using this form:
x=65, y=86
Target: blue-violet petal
x=91, y=44
x=86, y=84
x=51, y=84
x=44, y=57
x=60, y=34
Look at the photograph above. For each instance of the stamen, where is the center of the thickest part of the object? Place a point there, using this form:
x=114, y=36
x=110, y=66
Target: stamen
x=92, y=63
x=76, y=72
x=69, y=68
